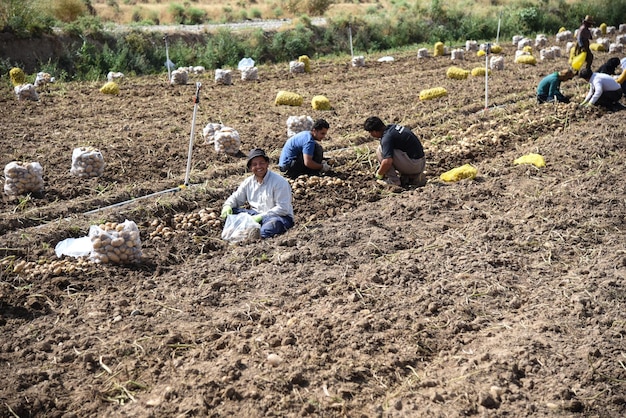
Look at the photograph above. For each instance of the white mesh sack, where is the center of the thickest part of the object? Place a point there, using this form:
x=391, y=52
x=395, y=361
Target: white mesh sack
x=22, y=178
x=227, y=141
x=297, y=124
x=115, y=243
x=87, y=162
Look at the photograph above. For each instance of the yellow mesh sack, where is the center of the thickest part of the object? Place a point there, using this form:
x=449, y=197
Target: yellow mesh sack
x=526, y=59
x=110, y=88
x=457, y=73
x=17, y=76
x=307, y=63
x=481, y=53
x=597, y=47
x=438, y=49
x=534, y=159
x=320, y=103
x=466, y=171
x=433, y=93
x=288, y=98
x=479, y=71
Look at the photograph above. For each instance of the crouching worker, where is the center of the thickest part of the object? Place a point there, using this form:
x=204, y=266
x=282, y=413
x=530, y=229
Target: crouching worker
x=603, y=90
x=400, y=154
x=268, y=195
x=303, y=154
x=548, y=90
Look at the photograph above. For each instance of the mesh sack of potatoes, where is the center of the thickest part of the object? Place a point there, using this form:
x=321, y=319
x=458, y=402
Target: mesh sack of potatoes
x=21, y=178
x=306, y=61
x=438, y=49
x=496, y=63
x=480, y=71
x=26, y=92
x=110, y=87
x=288, y=98
x=297, y=124
x=249, y=74
x=422, y=53
x=223, y=77
x=117, y=243
x=435, y=92
x=87, y=162
x=296, y=67
x=227, y=141
x=209, y=132
x=43, y=78
x=17, y=76
x=115, y=76
x=179, y=77
x=320, y=103
x=457, y=73
x=358, y=61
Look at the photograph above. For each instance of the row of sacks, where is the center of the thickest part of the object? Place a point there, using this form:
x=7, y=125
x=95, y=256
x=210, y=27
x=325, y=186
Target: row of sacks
x=288, y=98
x=227, y=140
x=180, y=76
x=22, y=178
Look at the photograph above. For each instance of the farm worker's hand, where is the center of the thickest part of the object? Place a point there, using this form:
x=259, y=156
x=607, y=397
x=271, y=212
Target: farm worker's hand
x=227, y=210
x=257, y=218
x=325, y=166
x=379, y=176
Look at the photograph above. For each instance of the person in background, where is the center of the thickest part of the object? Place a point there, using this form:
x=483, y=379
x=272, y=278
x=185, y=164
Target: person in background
x=400, y=153
x=603, y=90
x=267, y=193
x=583, y=40
x=609, y=66
x=621, y=79
x=548, y=90
x=303, y=154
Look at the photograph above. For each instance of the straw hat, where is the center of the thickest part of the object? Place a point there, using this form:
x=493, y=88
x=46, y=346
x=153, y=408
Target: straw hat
x=588, y=19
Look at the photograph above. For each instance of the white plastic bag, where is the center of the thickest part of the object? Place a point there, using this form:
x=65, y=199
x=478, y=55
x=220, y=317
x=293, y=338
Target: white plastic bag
x=240, y=228
x=74, y=247
x=245, y=63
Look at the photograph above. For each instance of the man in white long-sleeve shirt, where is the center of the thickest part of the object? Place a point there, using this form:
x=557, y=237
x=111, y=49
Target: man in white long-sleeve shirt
x=603, y=90
x=267, y=193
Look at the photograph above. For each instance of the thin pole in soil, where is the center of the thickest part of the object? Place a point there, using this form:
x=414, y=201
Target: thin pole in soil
x=487, y=50
x=167, y=61
x=350, y=36
x=116, y=205
x=498, y=34
x=196, y=101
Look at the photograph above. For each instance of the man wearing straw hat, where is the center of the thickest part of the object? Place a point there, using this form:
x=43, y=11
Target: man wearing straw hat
x=268, y=194
x=583, y=40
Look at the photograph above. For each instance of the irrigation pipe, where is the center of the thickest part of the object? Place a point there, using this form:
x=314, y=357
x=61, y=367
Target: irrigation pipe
x=126, y=202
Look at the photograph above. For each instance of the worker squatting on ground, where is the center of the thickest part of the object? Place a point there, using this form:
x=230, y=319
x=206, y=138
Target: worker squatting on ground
x=303, y=154
x=267, y=193
x=400, y=153
x=549, y=88
x=604, y=90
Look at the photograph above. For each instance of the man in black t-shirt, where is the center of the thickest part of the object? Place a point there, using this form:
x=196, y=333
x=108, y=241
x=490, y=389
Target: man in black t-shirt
x=400, y=153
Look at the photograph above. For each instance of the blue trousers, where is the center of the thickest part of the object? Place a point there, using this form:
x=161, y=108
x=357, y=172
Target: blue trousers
x=270, y=224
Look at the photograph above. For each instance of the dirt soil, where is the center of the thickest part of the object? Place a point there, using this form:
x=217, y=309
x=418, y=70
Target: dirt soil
x=498, y=296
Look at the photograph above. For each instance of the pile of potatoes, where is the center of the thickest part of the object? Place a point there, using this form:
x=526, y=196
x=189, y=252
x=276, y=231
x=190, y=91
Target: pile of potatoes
x=307, y=185
x=87, y=162
x=115, y=243
x=194, y=220
x=161, y=231
x=22, y=178
x=66, y=266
